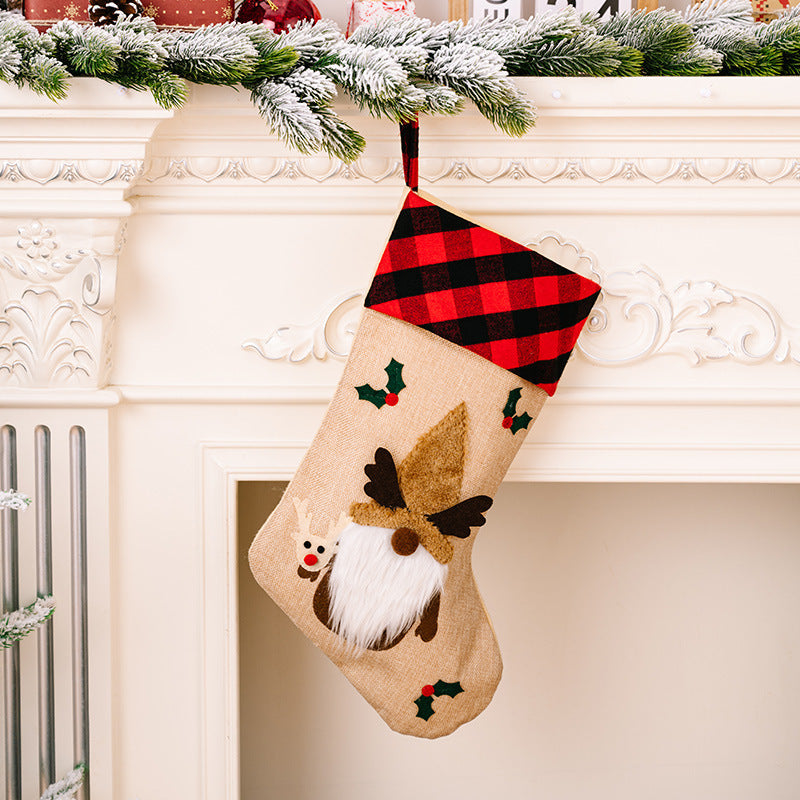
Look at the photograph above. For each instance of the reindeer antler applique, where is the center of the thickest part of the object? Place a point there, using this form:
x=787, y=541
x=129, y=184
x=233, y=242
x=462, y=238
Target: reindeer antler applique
x=421, y=498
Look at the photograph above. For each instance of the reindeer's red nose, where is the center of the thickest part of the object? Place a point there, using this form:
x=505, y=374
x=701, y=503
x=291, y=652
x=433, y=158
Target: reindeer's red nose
x=310, y=560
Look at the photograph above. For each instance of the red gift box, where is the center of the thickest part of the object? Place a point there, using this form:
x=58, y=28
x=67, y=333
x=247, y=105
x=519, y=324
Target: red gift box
x=167, y=13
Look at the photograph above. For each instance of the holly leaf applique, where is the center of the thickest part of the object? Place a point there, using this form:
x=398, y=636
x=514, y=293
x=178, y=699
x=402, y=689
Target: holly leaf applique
x=388, y=396
x=521, y=422
x=511, y=420
x=424, y=707
x=394, y=372
x=511, y=404
x=441, y=688
x=375, y=396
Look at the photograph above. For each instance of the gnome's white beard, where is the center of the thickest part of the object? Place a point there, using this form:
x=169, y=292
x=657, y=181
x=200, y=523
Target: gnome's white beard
x=376, y=594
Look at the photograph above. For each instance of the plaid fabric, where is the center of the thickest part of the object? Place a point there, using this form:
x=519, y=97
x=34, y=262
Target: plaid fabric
x=482, y=291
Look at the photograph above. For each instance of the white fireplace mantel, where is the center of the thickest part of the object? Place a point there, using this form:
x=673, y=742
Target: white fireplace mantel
x=186, y=288
x=677, y=193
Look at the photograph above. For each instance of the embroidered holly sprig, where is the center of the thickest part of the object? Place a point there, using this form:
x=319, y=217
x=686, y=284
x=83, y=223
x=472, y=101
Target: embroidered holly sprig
x=441, y=688
x=388, y=396
x=510, y=418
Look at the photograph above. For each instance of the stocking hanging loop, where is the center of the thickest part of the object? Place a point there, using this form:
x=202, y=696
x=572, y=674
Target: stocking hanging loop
x=409, y=146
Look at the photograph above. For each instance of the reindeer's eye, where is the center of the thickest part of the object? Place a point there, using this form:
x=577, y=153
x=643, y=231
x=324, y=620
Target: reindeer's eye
x=307, y=545
x=320, y=549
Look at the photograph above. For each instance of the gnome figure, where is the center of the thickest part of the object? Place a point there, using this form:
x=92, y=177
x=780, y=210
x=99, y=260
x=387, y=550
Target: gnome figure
x=391, y=561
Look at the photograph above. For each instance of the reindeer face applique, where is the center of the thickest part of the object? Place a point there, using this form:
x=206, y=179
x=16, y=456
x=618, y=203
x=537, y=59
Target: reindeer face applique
x=314, y=552
x=391, y=560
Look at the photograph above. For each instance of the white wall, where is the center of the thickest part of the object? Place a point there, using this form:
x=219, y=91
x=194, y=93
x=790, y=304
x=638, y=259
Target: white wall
x=651, y=644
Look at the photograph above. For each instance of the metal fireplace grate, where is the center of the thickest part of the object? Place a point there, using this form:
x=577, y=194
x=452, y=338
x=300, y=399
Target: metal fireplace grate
x=9, y=547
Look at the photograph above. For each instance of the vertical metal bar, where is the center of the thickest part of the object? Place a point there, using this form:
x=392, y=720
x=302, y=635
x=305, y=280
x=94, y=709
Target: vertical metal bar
x=9, y=534
x=80, y=640
x=44, y=587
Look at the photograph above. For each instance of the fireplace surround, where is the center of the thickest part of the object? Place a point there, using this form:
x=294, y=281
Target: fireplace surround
x=184, y=289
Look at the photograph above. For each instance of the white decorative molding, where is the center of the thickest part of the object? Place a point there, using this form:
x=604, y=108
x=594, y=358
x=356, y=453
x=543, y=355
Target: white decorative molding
x=55, y=304
x=611, y=171
x=46, y=341
x=48, y=171
x=37, y=258
x=638, y=317
x=330, y=334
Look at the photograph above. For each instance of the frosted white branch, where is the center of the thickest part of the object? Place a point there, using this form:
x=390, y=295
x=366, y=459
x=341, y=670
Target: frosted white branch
x=66, y=787
x=14, y=500
x=18, y=624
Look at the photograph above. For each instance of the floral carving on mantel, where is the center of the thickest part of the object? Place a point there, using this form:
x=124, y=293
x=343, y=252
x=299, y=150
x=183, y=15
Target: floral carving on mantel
x=330, y=334
x=636, y=318
x=37, y=257
x=46, y=341
x=541, y=170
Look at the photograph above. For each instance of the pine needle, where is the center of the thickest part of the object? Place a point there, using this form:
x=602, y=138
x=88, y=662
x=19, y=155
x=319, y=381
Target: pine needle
x=84, y=50
x=216, y=54
x=289, y=118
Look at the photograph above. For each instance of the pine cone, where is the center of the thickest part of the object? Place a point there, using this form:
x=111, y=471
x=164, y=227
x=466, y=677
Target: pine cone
x=112, y=11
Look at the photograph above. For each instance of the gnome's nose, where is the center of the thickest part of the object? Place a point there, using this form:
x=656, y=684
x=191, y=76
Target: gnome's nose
x=405, y=541
x=310, y=560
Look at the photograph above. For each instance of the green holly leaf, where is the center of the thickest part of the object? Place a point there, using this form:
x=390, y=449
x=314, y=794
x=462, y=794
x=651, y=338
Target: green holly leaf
x=444, y=688
x=511, y=405
x=424, y=707
x=395, y=384
x=375, y=396
x=520, y=422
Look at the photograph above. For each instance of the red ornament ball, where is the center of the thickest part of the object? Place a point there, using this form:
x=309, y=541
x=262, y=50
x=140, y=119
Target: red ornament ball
x=427, y=691
x=278, y=15
x=508, y=422
x=392, y=399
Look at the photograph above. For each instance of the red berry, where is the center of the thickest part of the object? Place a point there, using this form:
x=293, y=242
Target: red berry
x=427, y=691
x=508, y=422
x=391, y=399
x=310, y=560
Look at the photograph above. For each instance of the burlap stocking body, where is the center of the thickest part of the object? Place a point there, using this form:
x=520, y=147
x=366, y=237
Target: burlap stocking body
x=464, y=335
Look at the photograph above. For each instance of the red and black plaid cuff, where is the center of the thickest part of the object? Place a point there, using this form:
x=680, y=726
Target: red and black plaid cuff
x=482, y=291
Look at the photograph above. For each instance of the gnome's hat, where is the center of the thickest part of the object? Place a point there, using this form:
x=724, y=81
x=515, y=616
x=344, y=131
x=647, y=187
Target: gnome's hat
x=421, y=496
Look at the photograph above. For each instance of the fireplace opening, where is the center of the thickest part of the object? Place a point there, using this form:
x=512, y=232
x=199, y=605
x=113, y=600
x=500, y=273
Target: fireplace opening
x=651, y=644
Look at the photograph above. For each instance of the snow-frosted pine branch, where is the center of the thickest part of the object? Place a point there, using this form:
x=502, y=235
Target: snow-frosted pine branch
x=216, y=54
x=16, y=625
x=289, y=118
x=709, y=13
x=480, y=76
x=67, y=787
x=14, y=499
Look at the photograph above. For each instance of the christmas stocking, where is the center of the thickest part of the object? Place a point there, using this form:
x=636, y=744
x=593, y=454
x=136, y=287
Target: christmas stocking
x=464, y=335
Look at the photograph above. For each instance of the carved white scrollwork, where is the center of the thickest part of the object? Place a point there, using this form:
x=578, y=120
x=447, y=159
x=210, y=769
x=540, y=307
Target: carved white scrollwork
x=330, y=334
x=638, y=317
x=45, y=341
x=55, y=304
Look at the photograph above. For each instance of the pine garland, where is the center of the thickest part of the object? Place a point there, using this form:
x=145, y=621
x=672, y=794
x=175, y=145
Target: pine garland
x=397, y=67
x=17, y=501
x=67, y=787
x=16, y=625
